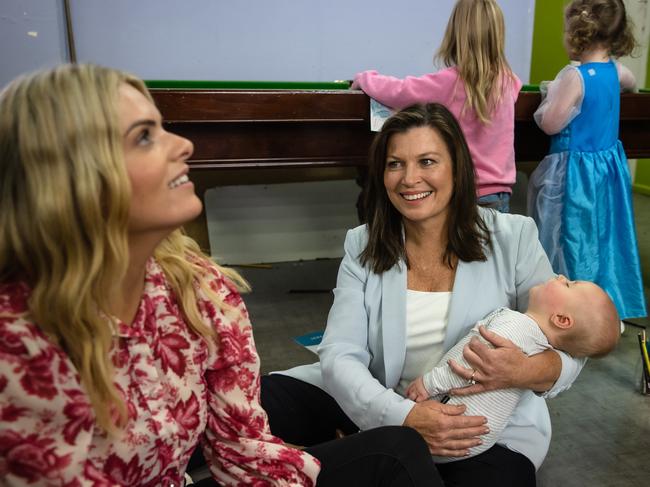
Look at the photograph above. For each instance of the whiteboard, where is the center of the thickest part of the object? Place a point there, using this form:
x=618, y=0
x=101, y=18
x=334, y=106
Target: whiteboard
x=290, y=40
x=32, y=36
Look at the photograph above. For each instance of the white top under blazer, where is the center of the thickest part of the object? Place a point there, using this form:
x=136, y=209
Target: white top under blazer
x=426, y=324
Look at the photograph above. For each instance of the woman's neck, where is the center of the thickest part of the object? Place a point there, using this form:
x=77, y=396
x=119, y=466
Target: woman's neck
x=426, y=244
x=426, y=234
x=127, y=301
x=426, y=247
x=595, y=54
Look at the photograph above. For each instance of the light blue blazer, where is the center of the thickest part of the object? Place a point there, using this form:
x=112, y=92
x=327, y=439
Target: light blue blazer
x=363, y=349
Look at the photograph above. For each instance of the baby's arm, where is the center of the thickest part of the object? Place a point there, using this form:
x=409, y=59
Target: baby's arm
x=441, y=379
x=416, y=391
x=626, y=78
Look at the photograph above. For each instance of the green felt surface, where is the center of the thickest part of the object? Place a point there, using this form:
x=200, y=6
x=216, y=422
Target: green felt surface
x=248, y=85
x=264, y=85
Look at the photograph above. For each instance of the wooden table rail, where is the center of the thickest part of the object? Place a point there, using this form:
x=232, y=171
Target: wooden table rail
x=275, y=129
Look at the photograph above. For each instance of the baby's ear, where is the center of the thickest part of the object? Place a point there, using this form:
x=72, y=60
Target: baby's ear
x=562, y=320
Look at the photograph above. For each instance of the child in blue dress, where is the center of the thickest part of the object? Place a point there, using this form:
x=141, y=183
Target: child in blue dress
x=580, y=194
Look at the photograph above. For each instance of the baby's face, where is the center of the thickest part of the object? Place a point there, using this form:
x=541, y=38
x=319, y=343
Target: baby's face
x=559, y=295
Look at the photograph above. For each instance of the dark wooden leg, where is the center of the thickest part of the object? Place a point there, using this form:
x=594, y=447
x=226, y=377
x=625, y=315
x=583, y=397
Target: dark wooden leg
x=361, y=179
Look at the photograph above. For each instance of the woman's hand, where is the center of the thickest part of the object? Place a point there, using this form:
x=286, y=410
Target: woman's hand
x=443, y=426
x=501, y=367
x=504, y=366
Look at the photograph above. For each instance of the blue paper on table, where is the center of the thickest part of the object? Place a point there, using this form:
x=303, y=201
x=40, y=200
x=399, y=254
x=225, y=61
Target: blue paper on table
x=310, y=341
x=378, y=115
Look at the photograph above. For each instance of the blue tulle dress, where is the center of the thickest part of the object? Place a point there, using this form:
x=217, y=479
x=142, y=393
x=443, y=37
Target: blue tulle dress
x=580, y=194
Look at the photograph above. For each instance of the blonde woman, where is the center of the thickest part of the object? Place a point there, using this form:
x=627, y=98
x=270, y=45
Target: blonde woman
x=477, y=86
x=122, y=346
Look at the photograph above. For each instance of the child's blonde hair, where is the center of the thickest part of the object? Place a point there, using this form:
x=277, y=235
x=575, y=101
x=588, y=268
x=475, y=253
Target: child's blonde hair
x=474, y=42
x=592, y=22
x=65, y=196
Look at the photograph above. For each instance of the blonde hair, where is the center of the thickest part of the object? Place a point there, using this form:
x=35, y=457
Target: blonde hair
x=596, y=330
x=474, y=42
x=65, y=195
x=591, y=22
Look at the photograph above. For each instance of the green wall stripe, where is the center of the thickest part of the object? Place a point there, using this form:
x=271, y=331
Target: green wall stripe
x=548, y=55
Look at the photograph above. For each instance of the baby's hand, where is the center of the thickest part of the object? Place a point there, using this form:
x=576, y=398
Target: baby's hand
x=416, y=391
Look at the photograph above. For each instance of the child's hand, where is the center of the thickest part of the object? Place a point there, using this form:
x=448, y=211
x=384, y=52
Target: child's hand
x=416, y=391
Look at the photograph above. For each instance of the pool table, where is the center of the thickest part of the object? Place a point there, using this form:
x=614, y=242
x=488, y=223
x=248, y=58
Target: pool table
x=249, y=125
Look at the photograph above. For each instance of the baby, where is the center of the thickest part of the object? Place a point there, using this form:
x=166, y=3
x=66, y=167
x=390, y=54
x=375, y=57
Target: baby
x=577, y=317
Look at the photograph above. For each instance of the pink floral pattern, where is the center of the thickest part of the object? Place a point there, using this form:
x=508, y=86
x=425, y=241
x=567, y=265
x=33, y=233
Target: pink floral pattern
x=179, y=392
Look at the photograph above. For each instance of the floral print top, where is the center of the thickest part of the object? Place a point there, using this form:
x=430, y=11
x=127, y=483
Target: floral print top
x=178, y=391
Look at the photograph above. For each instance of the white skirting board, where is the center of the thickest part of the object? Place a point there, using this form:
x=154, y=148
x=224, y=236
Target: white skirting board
x=280, y=222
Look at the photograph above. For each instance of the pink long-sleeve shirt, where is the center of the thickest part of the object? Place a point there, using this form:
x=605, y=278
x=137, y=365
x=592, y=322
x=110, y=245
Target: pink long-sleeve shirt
x=491, y=145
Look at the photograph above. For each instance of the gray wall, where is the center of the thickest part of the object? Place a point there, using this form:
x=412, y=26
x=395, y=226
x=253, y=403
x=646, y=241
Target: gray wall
x=32, y=36
x=307, y=40
x=243, y=39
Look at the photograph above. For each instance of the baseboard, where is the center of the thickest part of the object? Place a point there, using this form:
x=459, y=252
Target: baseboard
x=641, y=189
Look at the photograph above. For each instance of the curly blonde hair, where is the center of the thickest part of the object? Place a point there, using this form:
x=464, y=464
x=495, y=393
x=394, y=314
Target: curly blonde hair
x=592, y=22
x=65, y=196
x=474, y=42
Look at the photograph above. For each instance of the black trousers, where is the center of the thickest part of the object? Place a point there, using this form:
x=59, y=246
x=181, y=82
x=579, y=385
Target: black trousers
x=300, y=413
x=303, y=414
x=390, y=456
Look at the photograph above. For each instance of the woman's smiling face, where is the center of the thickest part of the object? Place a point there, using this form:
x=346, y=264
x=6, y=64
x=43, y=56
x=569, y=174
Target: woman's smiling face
x=162, y=196
x=418, y=175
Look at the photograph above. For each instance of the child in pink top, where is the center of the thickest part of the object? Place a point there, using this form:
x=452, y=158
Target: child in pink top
x=477, y=86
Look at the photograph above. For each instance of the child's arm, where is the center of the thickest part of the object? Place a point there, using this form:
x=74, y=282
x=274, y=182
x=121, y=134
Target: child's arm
x=626, y=78
x=441, y=378
x=400, y=93
x=562, y=102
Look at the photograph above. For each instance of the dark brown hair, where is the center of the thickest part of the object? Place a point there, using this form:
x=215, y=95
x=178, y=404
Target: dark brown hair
x=467, y=233
x=589, y=22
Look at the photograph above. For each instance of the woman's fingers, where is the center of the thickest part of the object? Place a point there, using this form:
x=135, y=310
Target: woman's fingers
x=476, y=353
x=460, y=450
x=456, y=442
x=474, y=374
x=466, y=434
x=494, y=339
x=468, y=390
x=459, y=370
x=488, y=368
x=437, y=418
x=479, y=354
